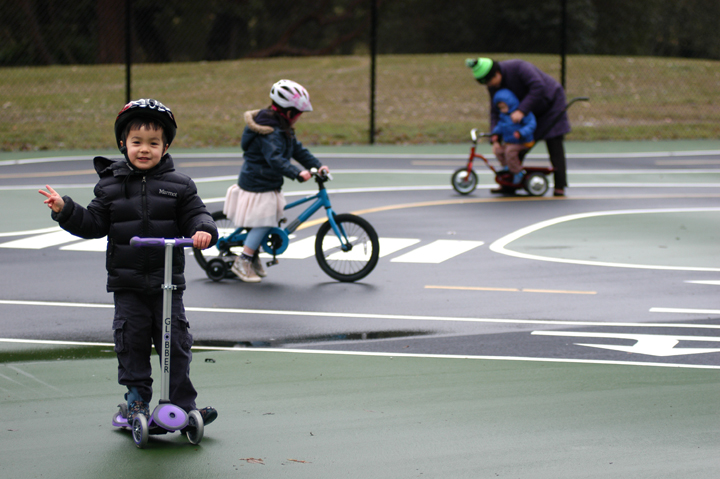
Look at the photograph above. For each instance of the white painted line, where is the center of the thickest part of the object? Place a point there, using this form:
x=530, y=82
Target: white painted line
x=499, y=246
x=389, y=246
x=685, y=310
x=395, y=355
x=41, y=241
x=713, y=283
x=98, y=245
x=662, y=345
x=323, y=314
x=300, y=249
x=31, y=232
x=437, y=251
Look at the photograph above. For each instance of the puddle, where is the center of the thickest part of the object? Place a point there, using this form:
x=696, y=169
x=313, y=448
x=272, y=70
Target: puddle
x=310, y=339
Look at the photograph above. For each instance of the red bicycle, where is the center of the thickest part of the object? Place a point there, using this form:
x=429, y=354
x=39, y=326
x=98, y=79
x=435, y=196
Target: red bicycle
x=535, y=182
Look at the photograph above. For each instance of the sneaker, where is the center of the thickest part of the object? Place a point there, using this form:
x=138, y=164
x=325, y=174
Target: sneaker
x=138, y=407
x=209, y=414
x=243, y=269
x=257, y=266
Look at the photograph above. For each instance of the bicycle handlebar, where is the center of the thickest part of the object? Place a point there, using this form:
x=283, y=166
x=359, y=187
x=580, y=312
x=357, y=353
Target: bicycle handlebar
x=475, y=135
x=324, y=176
x=139, y=242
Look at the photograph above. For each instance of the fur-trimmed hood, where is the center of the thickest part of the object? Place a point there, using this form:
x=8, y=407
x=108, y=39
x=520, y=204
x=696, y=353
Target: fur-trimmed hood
x=265, y=127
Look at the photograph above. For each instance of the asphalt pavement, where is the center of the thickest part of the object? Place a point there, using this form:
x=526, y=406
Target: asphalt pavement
x=509, y=337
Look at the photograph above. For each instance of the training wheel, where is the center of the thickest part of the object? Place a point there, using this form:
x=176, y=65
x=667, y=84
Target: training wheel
x=217, y=269
x=196, y=427
x=140, y=430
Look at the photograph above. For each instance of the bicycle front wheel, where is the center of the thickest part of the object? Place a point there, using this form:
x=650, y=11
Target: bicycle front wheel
x=359, y=260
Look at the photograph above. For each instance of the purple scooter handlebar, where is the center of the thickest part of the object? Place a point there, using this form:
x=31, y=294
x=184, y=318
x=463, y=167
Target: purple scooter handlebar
x=138, y=242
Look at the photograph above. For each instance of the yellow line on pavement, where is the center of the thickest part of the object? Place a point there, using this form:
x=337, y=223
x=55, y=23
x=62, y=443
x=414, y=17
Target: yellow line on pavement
x=512, y=290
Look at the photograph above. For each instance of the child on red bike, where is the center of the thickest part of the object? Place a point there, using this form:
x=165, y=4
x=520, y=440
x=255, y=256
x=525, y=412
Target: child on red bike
x=510, y=140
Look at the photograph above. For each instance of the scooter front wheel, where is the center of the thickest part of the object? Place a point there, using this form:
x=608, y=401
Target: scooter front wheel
x=464, y=181
x=140, y=431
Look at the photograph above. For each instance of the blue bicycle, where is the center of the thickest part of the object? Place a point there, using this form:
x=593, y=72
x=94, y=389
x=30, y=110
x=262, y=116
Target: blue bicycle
x=346, y=246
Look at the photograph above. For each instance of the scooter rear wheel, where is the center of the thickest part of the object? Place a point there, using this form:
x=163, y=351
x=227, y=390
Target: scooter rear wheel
x=196, y=427
x=464, y=182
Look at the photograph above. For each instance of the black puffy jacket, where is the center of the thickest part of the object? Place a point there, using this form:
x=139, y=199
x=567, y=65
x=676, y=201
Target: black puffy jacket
x=157, y=203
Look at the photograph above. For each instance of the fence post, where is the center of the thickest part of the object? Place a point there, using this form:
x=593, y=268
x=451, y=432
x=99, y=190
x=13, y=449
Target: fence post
x=128, y=49
x=563, y=43
x=373, y=55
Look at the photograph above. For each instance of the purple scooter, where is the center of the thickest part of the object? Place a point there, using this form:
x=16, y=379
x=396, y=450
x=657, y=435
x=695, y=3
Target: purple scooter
x=166, y=417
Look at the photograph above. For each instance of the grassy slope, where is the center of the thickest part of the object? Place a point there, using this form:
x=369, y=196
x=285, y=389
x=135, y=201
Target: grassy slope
x=420, y=99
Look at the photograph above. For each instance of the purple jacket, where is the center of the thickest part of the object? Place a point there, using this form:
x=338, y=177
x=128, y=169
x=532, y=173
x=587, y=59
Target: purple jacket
x=538, y=93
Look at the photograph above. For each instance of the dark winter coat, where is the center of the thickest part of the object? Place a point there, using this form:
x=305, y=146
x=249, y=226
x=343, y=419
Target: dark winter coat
x=156, y=203
x=538, y=93
x=505, y=127
x=268, y=150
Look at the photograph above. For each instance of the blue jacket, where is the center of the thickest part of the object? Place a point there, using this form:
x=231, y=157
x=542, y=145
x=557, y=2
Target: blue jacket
x=268, y=151
x=505, y=126
x=538, y=93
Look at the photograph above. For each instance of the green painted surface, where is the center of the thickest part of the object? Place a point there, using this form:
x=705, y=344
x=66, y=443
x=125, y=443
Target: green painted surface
x=313, y=415
x=572, y=147
x=677, y=239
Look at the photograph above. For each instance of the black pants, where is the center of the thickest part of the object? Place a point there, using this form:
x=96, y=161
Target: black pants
x=138, y=324
x=556, y=150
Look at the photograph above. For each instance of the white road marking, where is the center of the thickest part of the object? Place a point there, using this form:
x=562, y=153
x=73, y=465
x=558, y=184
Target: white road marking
x=98, y=245
x=395, y=355
x=41, y=241
x=437, y=251
x=324, y=314
x=499, y=246
x=649, y=344
x=685, y=310
x=714, y=283
x=297, y=249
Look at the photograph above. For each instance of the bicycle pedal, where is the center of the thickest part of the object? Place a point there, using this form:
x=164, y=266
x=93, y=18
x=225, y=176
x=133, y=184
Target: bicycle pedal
x=272, y=263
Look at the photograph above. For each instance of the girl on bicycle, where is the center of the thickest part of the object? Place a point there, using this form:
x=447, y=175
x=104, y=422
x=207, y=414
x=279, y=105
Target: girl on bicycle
x=269, y=143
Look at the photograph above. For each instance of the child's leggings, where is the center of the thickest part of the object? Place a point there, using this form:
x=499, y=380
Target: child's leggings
x=509, y=155
x=256, y=236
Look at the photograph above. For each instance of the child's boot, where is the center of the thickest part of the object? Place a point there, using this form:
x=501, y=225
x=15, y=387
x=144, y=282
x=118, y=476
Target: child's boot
x=138, y=407
x=257, y=265
x=243, y=269
x=518, y=177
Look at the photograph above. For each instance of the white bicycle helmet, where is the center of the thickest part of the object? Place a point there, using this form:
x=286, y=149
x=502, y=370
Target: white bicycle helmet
x=288, y=94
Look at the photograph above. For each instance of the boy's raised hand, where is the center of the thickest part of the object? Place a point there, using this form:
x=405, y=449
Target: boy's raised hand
x=201, y=239
x=54, y=200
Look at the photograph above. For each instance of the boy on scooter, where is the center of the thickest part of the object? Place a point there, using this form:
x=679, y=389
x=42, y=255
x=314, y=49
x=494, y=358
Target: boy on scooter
x=143, y=195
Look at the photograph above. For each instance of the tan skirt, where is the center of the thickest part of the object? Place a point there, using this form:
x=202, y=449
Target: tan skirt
x=248, y=209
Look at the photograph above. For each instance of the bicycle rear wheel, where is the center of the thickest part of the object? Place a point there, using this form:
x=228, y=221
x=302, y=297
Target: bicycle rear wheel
x=354, y=264
x=225, y=228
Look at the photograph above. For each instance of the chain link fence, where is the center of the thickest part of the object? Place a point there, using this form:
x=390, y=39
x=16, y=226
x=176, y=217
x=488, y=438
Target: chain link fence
x=651, y=69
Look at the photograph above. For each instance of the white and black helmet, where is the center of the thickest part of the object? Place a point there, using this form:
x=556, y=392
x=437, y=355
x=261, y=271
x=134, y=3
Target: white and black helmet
x=288, y=94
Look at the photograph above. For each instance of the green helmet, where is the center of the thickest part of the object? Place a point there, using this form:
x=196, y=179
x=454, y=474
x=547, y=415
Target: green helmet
x=480, y=66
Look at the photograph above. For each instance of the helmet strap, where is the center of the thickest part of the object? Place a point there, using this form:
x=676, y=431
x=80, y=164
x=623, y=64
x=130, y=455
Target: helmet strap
x=284, y=114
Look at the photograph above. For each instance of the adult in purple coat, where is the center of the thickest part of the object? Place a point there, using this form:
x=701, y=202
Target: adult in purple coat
x=540, y=94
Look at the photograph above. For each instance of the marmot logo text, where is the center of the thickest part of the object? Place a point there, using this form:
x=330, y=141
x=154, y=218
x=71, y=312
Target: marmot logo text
x=167, y=193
